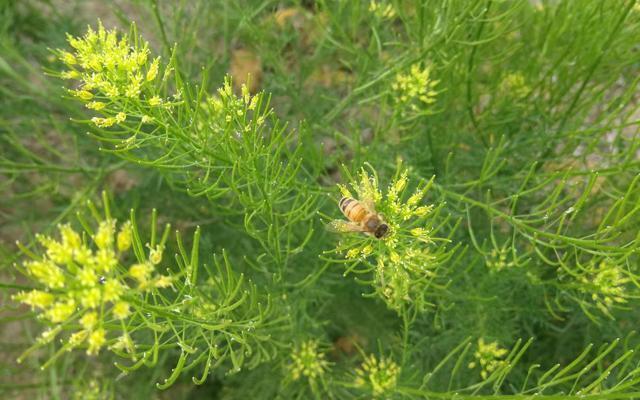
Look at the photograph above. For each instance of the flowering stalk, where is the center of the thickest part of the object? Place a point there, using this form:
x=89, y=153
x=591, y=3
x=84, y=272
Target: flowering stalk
x=100, y=288
x=379, y=376
x=414, y=92
x=225, y=146
x=307, y=361
x=381, y=11
x=308, y=365
x=489, y=357
x=405, y=263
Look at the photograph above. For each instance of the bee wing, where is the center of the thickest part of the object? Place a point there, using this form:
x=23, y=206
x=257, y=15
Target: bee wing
x=369, y=205
x=338, y=225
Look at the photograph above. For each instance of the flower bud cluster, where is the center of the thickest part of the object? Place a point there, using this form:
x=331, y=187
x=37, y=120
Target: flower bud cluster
x=489, y=357
x=379, y=375
x=402, y=262
x=117, y=77
x=415, y=91
x=308, y=361
x=84, y=282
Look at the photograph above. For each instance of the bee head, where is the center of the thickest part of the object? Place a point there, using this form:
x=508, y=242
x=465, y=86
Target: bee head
x=381, y=231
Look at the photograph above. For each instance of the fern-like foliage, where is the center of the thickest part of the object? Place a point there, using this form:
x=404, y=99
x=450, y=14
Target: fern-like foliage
x=137, y=312
x=609, y=371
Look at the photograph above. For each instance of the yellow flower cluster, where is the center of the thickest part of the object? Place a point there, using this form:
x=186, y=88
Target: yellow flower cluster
x=230, y=108
x=415, y=90
x=85, y=283
x=402, y=258
x=605, y=282
x=513, y=85
x=488, y=357
x=498, y=260
x=381, y=11
x=92, y=391
x=359, y=252
x=111, y=70
x=380, y=376
x=308, y=361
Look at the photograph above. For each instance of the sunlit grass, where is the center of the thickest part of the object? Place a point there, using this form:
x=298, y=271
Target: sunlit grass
x=498, y=141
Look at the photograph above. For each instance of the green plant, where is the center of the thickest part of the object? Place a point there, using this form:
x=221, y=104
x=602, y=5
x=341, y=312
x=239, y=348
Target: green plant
x=498, y=140
x=88, y=284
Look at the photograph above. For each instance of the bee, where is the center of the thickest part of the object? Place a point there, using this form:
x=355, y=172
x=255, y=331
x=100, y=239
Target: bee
x=362, y=217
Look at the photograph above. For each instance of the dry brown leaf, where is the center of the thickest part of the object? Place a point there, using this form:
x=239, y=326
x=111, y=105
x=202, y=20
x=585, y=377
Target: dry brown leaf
x=290, y=15
x=347, y=345
x=328, y=76
x=310, y=26
x=246, y=69
x=121, y=181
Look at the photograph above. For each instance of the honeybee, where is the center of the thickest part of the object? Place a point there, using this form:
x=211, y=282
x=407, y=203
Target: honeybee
x=362, y=217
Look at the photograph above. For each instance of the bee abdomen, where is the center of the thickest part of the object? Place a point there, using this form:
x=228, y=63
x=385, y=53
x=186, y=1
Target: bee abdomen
x=352, y=209
x=344, y=202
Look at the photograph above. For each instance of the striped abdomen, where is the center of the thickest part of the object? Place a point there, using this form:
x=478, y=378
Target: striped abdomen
x=352, y=209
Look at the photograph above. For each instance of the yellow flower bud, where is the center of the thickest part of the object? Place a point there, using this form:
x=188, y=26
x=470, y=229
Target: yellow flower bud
x=46, y=272
x=352, y=253
x=48, y=335
x=96, y=105
x=105, y=260
x=141, y=56
x=72, y=74
x=163, y=281
x=155, y=255
x=423, y=210
x=121, y=310
x=153, y=69
x=308, y=361
x=155, y=101
x=61, y=311
x=68, y=58
x=104, y=236
x=35, y=298
x=56, y=251
x=77, y=338
x=103, y=122
x=245, y=93
x=83, y=255
x=380, y=374
x=123, y=240
x=110, y=90
x=141, y=272
x=87, y=277
x=344, y=191
x=93, y=63
x=254, y=103
x=400, y=183
x=414, y=199
x=83, y=94
x=133, y=89
x=112, y=290
x=96, y=340
x=368, y=249
x=89, y=320
x=70, y=237
x=123, y=342
x=91, y=298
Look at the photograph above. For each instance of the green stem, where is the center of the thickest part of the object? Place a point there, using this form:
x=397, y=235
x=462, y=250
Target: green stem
x=163, y=33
